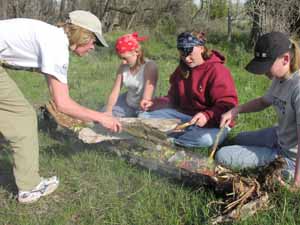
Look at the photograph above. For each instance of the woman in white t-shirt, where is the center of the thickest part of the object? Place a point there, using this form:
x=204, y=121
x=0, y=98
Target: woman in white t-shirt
x=28, y=43
x=136, y=73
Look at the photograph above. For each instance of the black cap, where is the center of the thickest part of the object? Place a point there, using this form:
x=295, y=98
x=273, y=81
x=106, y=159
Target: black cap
x=268, y=47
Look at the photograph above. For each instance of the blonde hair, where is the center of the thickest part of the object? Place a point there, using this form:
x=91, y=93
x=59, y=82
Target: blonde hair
x=76, y=34
x=295, y=56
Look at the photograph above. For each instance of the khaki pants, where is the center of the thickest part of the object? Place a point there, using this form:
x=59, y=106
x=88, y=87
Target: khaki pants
x=18, y=124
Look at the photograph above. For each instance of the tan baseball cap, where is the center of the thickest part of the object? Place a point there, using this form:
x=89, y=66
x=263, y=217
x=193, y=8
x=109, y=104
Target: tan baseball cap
x=88, y=21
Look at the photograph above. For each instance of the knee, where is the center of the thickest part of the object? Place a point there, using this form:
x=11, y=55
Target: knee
x=229, y=156
x=191, y=141
x=118, y=113
x=144, y=115
x=205, y=141
x=24, y=124
x=223, y=156
x=160, y=113
x=27, y=118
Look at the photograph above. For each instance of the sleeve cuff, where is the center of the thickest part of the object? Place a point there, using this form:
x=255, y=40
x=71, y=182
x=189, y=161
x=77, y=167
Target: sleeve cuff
x=61, y=77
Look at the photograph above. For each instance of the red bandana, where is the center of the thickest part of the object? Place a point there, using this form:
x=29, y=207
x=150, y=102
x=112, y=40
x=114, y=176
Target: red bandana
x=128, y=42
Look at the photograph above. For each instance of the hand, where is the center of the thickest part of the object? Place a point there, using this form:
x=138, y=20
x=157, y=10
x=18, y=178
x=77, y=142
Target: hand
x=227, y=117
x=199, y=119
x=145, y=104
x=110, y=123
x=292, y=188
x=296, y=185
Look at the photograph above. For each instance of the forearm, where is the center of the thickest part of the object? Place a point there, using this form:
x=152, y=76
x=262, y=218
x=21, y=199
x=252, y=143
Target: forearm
x=214, y=113
x=113, y=97
x=111, y=102
x=297, y=167
x=254, y=105
x=60, y=94
x=148, y=92
x=72, y=108
x=65, y=104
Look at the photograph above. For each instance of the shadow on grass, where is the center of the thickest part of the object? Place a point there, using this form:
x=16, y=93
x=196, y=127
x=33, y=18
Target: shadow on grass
x=7, y=181
x=68, y=146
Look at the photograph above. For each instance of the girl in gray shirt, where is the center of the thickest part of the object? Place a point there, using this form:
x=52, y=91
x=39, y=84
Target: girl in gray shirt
x=278, y=58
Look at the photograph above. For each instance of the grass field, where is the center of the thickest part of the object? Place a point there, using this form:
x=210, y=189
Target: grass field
x=99, y=188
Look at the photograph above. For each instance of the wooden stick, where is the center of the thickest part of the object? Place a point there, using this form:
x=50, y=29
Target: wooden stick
x=215, y=146
x=182, y=126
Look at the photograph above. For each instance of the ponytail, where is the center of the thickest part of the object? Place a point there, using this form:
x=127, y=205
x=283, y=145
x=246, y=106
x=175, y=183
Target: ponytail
x=295, y=56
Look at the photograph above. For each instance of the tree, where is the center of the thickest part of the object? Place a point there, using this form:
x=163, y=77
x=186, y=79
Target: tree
x=274, y=15
x=218, y=9
x=3, y=9
x=126, y=14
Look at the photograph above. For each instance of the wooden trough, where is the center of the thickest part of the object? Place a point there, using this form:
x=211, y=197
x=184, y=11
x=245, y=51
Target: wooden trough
x=144, y=142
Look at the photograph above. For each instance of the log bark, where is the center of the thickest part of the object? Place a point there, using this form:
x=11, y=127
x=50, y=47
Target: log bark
x=143, y=143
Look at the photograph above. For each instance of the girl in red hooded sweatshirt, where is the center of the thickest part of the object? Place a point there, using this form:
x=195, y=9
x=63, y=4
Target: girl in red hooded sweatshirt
x=136, y=73
x=201, y=90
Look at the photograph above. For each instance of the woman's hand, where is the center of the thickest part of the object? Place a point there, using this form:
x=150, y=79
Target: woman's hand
x=295, y=187
x=110, y=123
x=292, y=188
x=145, y=104
x=199, y=119
x=229, y=116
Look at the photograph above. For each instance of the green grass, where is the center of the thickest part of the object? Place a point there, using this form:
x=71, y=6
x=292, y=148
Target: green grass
x=99, y=188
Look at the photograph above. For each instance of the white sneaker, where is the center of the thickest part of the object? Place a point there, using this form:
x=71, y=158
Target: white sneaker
x=45, y=187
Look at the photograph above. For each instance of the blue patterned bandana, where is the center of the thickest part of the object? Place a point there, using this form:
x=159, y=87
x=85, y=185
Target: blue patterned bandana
x=186, y=42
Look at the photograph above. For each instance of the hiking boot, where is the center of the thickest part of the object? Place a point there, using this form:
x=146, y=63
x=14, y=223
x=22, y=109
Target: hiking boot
x=45, y=187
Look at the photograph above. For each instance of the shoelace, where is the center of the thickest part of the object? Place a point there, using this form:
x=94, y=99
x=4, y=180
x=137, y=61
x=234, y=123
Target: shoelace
x=41, y=189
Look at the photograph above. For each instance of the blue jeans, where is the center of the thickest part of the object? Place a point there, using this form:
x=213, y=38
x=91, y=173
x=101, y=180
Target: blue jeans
x=193, y=136
x=253, y=149
x=122, y=109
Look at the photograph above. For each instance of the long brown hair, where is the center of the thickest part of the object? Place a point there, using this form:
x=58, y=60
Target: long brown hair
x=201, y=36
x=141, y=56
x=206, y=54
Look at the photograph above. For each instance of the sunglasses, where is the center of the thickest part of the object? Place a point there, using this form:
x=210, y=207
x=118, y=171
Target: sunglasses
x=185, y=52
